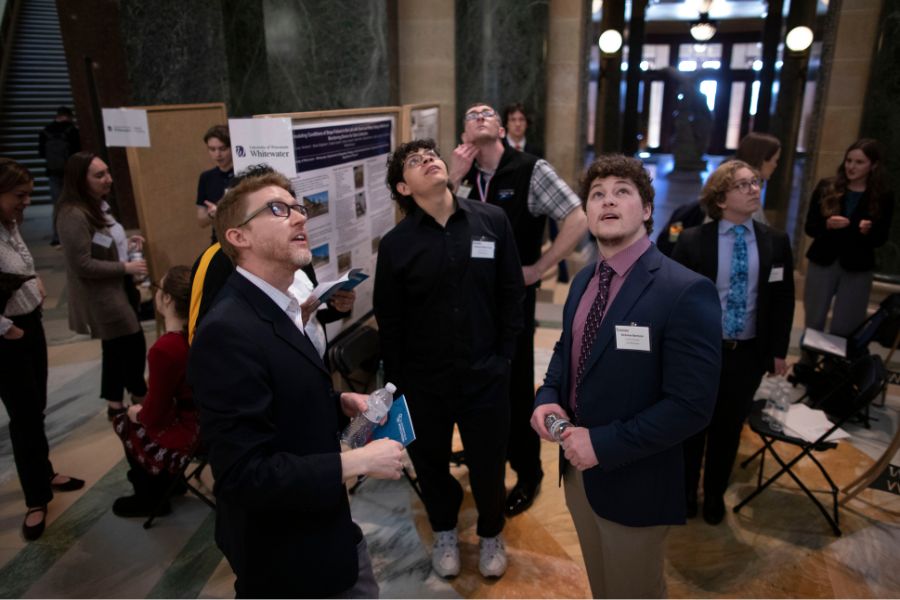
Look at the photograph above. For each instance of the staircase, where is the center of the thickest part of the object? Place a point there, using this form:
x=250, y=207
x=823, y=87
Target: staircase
x=37, y=82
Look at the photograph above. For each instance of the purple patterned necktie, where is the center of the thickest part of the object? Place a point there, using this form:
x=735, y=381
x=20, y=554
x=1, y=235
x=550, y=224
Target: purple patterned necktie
x=592, y=326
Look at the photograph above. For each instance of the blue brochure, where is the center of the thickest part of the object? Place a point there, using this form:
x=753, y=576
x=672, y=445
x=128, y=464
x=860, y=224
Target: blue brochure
x=399, y=425
x=350, y=280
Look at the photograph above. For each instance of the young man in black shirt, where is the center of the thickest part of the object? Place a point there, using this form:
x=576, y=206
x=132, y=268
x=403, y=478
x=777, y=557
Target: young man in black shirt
x=213, y=183
x=448, y=300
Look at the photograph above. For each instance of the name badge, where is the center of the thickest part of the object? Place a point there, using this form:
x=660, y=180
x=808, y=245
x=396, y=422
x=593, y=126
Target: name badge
x=776, y=274
x=633, y=337
x=463, y=190
x=103, y=240
x=505, y=194
x=482, y=249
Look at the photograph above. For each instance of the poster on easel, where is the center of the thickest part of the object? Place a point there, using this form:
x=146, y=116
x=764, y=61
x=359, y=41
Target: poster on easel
x=338, y=171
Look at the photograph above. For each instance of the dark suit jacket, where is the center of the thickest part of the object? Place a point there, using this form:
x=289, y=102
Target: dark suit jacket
x=698, y=250
x=640, y=406
x=270, y=420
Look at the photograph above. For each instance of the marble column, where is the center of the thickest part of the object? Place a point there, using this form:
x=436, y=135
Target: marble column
x=175, y=51
x=427, y=61
x=501, y=48
x=881, y=121
x=567, y=57
x=324, y=54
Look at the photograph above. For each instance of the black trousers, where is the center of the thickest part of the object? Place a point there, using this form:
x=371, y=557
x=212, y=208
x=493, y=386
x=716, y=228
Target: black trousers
x=483, y=422
x=123, y=366
x=524, y=453
x=741, y=374
x=23, y=389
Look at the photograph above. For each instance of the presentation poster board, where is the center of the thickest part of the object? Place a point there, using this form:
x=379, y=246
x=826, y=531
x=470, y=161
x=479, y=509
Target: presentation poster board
x=164, y=177
x=421, y=121
x=337, y=164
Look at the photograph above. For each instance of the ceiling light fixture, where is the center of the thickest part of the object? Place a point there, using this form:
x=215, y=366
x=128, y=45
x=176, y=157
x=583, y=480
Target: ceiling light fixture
x=704, y=29
x=799, y=39
x=610, y=41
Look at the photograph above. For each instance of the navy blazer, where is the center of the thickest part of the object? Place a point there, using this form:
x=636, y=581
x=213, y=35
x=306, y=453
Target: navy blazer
x=698, y=250
x=270, y=421
x=640, y=406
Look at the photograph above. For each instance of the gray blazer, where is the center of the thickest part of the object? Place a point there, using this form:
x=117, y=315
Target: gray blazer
x=95, y=278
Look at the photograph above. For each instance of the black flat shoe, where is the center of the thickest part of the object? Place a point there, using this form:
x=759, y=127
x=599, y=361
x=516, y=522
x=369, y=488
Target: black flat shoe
x=520, y=498
x=68, y=486
x=138, y=506
x=112, y=413
x=33, y=532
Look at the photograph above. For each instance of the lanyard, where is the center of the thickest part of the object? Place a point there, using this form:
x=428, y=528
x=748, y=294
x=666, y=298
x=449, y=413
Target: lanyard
x=482, y=189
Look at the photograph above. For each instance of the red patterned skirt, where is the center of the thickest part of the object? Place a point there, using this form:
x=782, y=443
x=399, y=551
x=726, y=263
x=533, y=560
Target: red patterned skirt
x=153, y=457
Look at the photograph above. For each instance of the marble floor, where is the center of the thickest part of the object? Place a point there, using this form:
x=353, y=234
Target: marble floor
x=778, y=546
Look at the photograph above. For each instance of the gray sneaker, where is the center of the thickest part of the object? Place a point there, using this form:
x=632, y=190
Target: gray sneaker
x=493, y=561
x=445, y=553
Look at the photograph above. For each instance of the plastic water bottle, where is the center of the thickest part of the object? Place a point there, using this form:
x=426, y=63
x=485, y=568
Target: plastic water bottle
x=360, y=429
x=556, y=425
x=134, y=255
x=778, y=404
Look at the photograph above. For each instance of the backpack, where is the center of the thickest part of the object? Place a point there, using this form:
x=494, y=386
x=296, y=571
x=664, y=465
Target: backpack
x=56, y=150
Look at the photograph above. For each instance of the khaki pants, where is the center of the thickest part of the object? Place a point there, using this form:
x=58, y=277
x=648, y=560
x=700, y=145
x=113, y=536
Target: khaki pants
x=621, y=562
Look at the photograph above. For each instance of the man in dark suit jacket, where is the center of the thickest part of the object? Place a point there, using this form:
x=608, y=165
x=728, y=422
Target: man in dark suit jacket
x=270, y=418
x=636, y=371
x=757, y=300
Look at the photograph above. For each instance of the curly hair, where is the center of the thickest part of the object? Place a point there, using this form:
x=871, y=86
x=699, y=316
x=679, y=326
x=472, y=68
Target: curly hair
x=718, y=184
x=395, y=170
x=619, y=165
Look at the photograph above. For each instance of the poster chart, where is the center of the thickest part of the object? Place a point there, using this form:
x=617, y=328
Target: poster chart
x=341, y=167
x=337, y=167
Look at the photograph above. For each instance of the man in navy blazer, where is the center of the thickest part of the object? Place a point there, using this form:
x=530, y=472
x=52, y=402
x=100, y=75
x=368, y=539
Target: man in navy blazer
x=635, y=370
x=270, y=418
x=756, y=344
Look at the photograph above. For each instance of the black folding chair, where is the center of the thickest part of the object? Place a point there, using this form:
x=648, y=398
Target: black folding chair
x=867, y=380
x=192, y=469
x=355, y=357
x=828, y=378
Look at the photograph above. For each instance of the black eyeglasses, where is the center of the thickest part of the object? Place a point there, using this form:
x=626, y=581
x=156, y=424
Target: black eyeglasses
x=487, y=113
x=417, y=160
x=278, y=208
x=745, y=185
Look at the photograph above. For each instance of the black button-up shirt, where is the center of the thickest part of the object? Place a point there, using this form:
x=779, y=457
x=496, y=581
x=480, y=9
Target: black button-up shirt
x=448, y=312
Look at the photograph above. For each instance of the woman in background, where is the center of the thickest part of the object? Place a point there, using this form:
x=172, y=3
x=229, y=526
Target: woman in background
x=23, y=355
x=99, y=278
x=159, y=435
x=849, y=216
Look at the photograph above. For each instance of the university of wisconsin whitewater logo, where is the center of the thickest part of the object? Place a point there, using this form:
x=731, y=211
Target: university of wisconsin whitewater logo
x=239, y=150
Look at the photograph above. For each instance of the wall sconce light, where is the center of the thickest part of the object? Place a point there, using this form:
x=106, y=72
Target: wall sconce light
x=704, y=29
x=610, y=41
x=799, y=39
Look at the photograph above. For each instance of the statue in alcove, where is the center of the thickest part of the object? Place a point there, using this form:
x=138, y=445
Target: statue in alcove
x=693, y=123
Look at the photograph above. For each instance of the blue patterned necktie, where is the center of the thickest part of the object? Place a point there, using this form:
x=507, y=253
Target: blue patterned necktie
x=592, y=325
x=736, y=302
